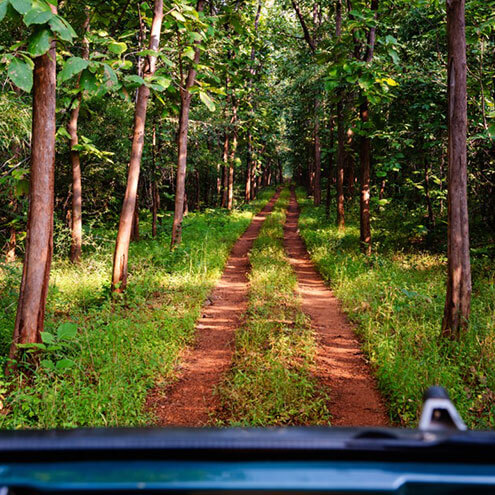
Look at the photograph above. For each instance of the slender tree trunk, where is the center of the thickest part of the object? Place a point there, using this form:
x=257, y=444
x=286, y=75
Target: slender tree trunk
x=198, y=190
x=154, y=209
x=339, y=173
x=349, y=177
x=340, y=163
x=365, y=156
x=249, y=164
x=39, y=238
x=365, y=150
x=330, y=170
x=154, y=187
x=317, y=156
x=120, y=259
x=76, y=226
x=225, y=175
x=429, y=207
x=230, y=202
x=185, y=105
x=458, y=300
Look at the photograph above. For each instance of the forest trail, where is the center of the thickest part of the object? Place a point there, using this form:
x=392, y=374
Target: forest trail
x=190, y=401
x=340, y=365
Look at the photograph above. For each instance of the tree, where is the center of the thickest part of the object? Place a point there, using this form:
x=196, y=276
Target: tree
x=120, y=259
x=39, y=239
x=365, y=148
x=76, y=244
x=458, y=300
x=185, y=105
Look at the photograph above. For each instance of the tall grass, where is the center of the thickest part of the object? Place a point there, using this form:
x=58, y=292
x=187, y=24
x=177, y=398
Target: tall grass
x=396, y=297
x=123, y=347
x=271, y=380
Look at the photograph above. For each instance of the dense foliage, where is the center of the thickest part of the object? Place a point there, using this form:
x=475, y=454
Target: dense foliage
x=312, y=91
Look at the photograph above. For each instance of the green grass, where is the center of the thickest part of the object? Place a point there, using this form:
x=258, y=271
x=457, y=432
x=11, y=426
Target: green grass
x=271, y=381
x=122, y=348
x=396, y=297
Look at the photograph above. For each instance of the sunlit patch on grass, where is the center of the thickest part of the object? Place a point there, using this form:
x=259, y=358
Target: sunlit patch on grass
x=123, y=347
x=397, y=300
x=271, y=380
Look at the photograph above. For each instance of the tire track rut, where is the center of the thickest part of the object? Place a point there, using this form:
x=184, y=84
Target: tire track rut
x=190, y=401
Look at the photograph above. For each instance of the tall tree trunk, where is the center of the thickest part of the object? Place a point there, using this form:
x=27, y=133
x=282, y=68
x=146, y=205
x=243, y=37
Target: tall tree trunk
x=249, y=164
x=225, y=175
x=340, y=163
x=154, y=187
x=339, y=173
x=230, y=199
x=458, y=300
x=154, y=208
x=349, y=177
x=76, y=226
x=120, y=259
x=330, y=170
x=39, y=238
x=317, y=156
x=365, y=150
x=429, y=207
x=185, y=105
x=365, y=156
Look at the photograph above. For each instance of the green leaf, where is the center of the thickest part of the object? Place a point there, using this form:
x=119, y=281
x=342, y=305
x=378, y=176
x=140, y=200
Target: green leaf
x=135, y=80
x=47, y=364
x=64, y=364
x=21, y=74
x=47, y=338
x=39, y=42
x=62, y=28
x=189, y=52
x=178, y=16
x=72, y=66
x=110, y=76
x=3, y=8
x=160, y=83
x=22, y=6
x=66, y=331
x=207, y=101
x=117, y=47
x=88, y=81
x=37, y=16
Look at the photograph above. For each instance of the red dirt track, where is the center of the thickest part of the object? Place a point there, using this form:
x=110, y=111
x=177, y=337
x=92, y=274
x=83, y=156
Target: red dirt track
x=340, y=364
x=190, y=401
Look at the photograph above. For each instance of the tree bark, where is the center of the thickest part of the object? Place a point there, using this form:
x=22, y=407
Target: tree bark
x=458, y=300
x=365, y=157
x=340, y=163
x=225, y=175
x=429, y=207
x=154, y=187
x=339, y=173
x=330, y=170
x=317, y=156
x=365, y=150
x=230, y=199
x=39, y=238
x=120, y=259
x=249, y=164
x=76, y=225
x=185, y=105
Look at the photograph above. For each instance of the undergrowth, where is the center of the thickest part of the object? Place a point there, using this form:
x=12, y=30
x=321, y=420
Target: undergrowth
x=271, y=381
x=397, y=297
x=101, y=375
